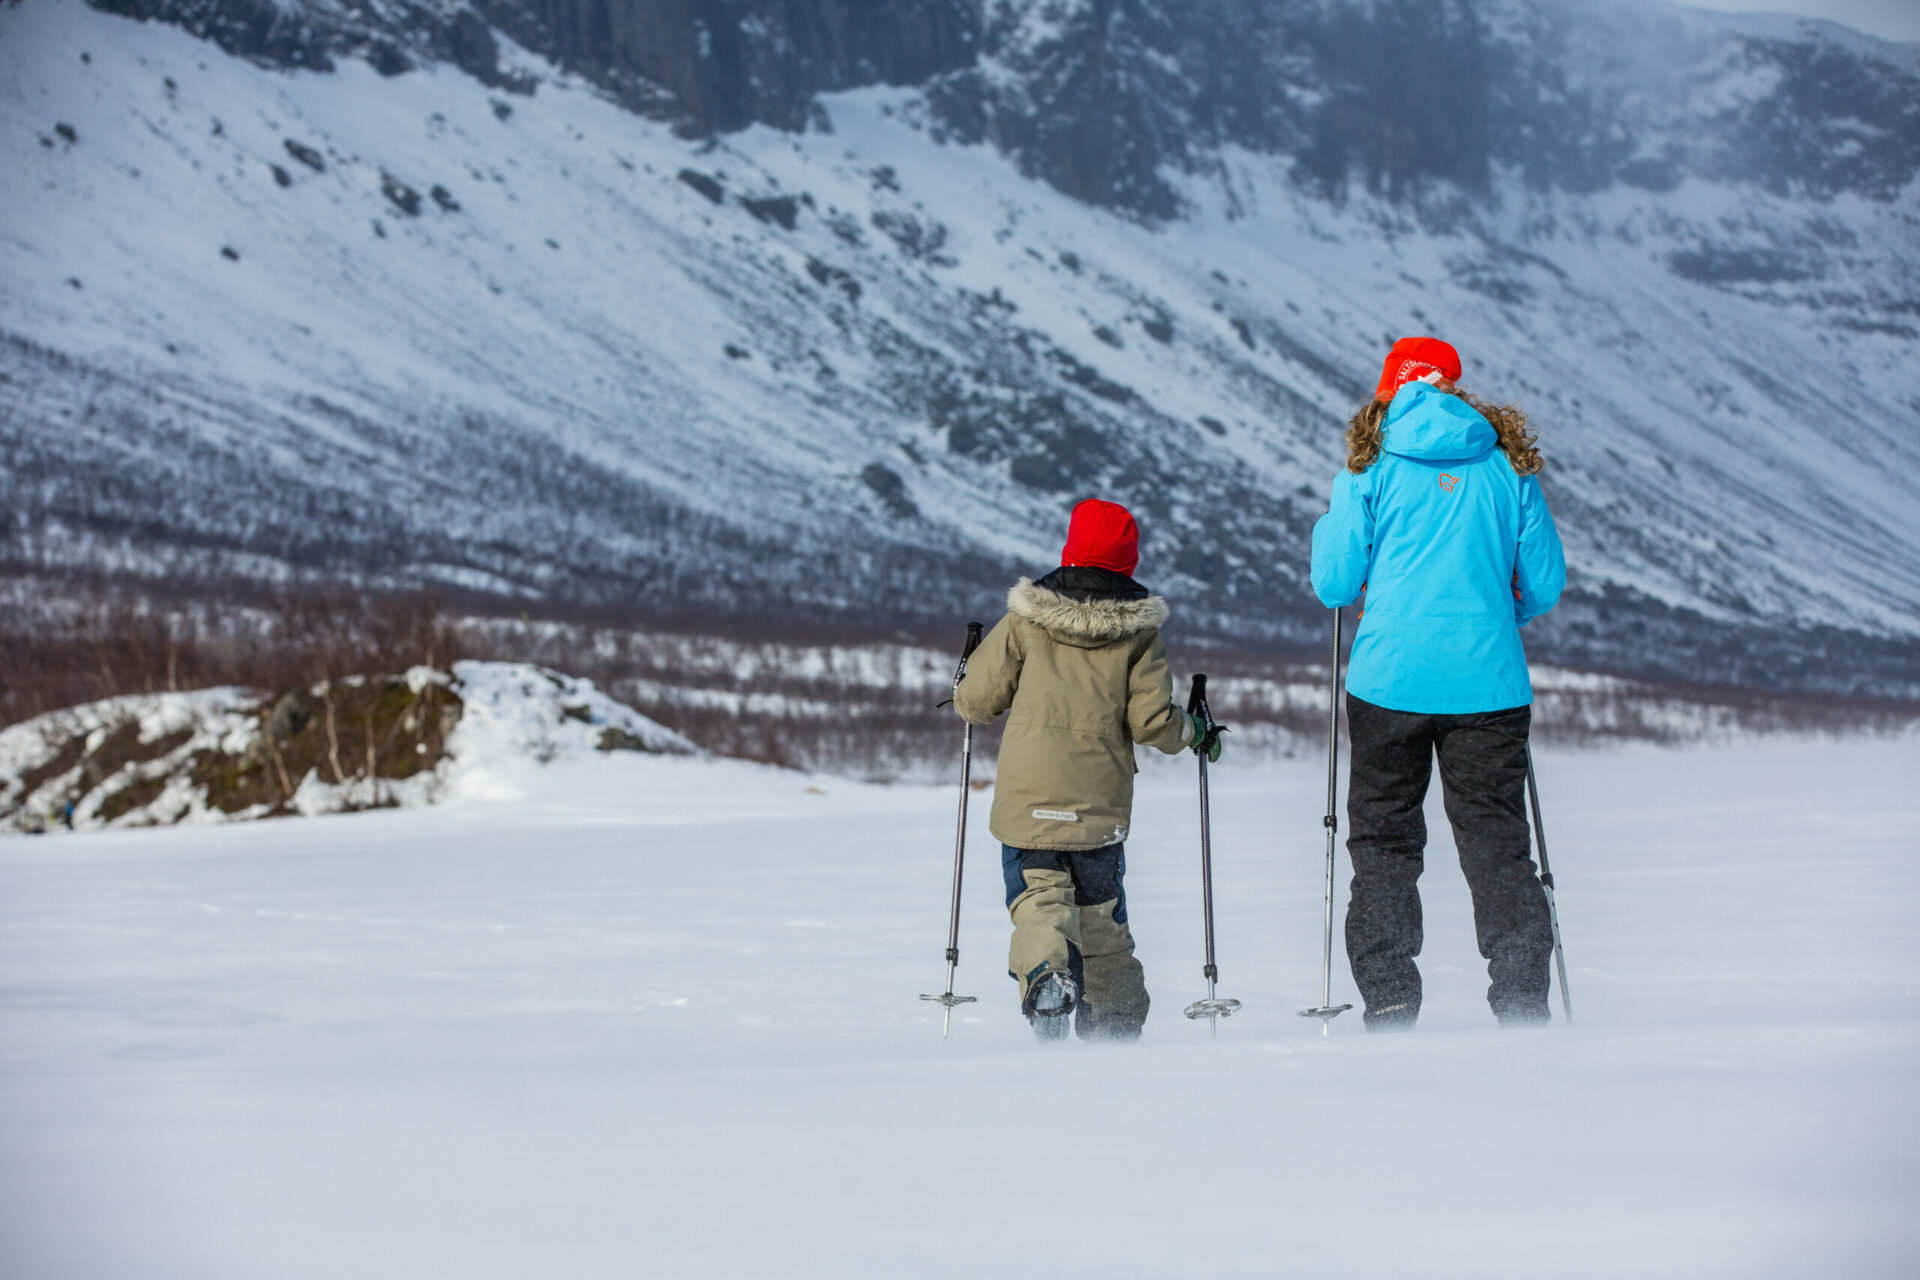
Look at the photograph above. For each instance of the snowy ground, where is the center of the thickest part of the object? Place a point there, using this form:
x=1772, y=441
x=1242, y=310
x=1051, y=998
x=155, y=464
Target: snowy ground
x=658, y=1019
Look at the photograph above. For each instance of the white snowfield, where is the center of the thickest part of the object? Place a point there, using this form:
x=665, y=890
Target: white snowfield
x=658, y=1017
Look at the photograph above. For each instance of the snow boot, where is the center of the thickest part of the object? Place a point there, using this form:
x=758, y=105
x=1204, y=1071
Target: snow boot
x=1523, y=1013
x=1050, y=1005
x=1394, y=1017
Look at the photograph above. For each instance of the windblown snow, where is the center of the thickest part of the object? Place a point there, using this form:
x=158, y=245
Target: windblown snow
x=658, y=1016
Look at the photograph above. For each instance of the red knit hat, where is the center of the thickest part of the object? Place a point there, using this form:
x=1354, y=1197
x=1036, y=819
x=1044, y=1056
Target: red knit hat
x=1416, y=358
x=1102, y=535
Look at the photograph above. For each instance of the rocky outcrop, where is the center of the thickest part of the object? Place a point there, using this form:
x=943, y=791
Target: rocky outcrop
x=311, y=36
x=725, y=64
x=353, y=743
x=1104, y=98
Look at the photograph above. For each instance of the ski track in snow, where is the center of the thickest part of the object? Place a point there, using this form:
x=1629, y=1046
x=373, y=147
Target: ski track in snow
x=658, y=1017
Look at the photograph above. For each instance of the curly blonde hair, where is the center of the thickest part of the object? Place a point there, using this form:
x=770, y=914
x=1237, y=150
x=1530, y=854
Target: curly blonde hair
x=1366, y=429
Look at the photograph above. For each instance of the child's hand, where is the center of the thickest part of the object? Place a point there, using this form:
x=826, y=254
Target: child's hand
x=1206, y=737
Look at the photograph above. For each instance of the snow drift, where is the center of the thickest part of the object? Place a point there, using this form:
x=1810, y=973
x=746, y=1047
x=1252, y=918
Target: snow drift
x=661, y=1019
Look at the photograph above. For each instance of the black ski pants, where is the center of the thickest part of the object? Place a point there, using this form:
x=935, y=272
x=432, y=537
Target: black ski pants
x=1483, y=776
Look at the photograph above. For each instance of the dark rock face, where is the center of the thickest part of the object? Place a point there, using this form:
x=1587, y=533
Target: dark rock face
x=1396, y=96
x=1103, y=98
x=472, y=48
x=921, y=239
x=404, y=197
x=890, y=489
x=389, y=59
x=306, y=155
x=706, y=184
x=834, y=277
x=1649, y=97
x=257, y=29
x=311, y=37
x=1807, y=133
x=726, y=64
x=782, y=211
x=1407, y=97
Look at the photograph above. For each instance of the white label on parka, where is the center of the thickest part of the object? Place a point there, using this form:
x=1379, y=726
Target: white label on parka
x=1055, y=815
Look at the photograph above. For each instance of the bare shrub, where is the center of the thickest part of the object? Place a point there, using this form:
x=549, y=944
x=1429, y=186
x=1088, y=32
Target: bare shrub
x=825, y=692
x=85, y=645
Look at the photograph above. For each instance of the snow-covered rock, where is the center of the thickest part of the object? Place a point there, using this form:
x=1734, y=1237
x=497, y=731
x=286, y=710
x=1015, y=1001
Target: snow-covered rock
x=352, y=743
x=519, y=717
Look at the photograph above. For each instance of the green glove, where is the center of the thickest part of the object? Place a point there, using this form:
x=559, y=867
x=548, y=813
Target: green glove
x=1206, y=737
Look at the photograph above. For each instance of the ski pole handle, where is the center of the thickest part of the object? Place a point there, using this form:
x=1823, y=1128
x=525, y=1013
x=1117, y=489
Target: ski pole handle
x=960, y=671
x=972, y=643
x=973, y=640
x=1207, y=745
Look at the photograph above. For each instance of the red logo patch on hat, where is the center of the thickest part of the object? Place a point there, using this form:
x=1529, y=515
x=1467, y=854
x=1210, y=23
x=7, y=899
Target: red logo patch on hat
x=1416, y=358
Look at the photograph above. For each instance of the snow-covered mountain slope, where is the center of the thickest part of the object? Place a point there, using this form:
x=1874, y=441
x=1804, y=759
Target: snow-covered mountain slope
x=423, y=326
x=661, y=1018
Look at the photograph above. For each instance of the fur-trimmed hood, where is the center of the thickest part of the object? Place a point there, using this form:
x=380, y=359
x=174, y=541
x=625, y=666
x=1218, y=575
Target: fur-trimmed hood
x=1084, y=622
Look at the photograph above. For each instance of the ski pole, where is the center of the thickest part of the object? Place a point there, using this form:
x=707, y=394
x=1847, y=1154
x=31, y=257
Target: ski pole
x=1212, y=1008
x=948, y=1000
x=1328, y=1011
x=1546, y=882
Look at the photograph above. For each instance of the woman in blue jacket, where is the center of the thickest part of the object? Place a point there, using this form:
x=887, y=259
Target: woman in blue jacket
x=1438, y=527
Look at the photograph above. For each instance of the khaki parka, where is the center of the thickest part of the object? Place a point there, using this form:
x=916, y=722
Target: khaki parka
x=1081, y=681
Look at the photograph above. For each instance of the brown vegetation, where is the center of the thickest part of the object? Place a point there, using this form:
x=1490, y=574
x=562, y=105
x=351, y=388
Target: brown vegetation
x=820, y=694
x=354, y=734
x=76, y=644
x=357, y=734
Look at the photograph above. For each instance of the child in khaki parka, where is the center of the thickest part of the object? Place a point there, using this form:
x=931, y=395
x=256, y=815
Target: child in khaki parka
x=1080, y=669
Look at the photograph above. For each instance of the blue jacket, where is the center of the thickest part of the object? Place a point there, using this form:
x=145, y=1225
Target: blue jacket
x=1454, y=553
